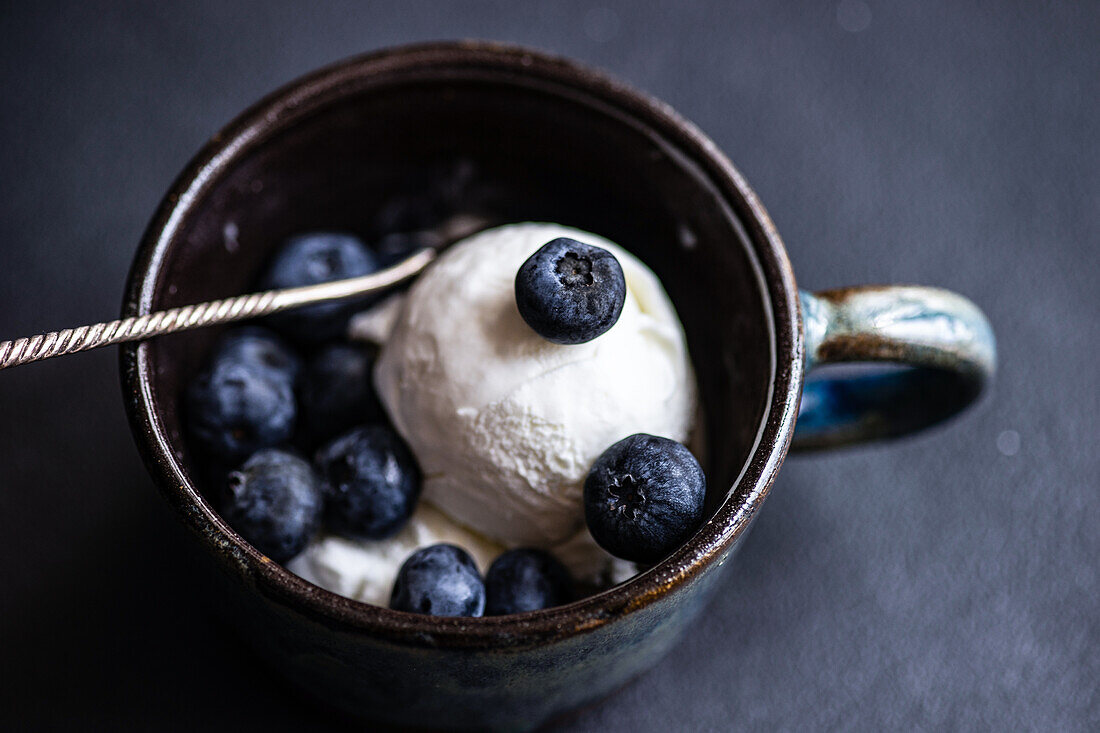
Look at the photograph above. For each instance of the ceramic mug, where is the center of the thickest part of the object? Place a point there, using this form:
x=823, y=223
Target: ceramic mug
x=548, y=140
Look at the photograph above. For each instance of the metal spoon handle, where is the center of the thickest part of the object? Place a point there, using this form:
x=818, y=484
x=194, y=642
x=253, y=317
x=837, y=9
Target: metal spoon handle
x=212, y=313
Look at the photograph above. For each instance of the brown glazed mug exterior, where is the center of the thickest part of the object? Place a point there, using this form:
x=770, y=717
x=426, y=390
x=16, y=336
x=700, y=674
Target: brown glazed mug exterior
x=548, y=140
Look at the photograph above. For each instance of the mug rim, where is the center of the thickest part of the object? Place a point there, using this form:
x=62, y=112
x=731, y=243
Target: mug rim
x=335, y=81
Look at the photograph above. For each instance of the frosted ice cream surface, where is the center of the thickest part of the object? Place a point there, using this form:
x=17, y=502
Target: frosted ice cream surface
x=505, y=424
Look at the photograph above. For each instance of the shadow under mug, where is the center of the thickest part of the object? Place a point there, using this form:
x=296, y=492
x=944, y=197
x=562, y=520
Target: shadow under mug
x=544, y=139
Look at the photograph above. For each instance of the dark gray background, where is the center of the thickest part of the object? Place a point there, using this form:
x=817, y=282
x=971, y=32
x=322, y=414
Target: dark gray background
x=946, y=581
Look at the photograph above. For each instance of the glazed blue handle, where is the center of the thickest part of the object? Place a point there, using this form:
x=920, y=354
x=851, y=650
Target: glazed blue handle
x=942, y=342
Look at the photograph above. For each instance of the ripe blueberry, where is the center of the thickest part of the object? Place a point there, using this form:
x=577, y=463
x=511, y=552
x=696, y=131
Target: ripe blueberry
x=337, y=392
x=643, y=497
x=526, y=580
x=274, y=502
x=371, y=482
x=439, y=580
x=261, y=348
x=235, y=407
x=570, y=292
x=313, y=258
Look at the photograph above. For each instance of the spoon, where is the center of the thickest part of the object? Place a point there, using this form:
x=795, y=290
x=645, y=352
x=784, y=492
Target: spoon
x=211, y=313
x=238, y=308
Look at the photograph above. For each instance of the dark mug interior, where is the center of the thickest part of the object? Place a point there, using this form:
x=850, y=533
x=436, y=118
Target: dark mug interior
x=540, y=139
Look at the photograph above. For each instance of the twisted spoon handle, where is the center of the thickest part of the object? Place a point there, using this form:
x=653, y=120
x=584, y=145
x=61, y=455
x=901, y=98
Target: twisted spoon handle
x=213, y=313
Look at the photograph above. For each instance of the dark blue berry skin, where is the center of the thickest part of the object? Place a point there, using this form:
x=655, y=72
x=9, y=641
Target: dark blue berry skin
x=274, y=502
x=337, y=392
x=644, y=497
x=570, y=292
x=419, y=212
x=394, y=247
x=260, y=348
x=371, y=482
x=428, y=196
x=440, y=580
x=313, y=258
x=235, y=408
x=525, y=579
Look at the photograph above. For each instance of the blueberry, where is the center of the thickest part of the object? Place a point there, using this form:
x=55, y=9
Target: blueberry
x=396, y=246
x=644, y=497
x=319, y=257
x=371, y=482
x=570, y=292
x=436, y=193
x=234, y=408
x=337, y=392
x=274, y=502
x=439, y=580
x=261, y=348
x=526, y=580
x=419, y=212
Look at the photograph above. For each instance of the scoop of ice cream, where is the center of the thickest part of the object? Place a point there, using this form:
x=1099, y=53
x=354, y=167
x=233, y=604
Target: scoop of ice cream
x=589, y=564
x=506, y=424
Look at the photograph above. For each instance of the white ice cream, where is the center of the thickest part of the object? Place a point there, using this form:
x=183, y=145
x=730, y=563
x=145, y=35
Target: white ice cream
x=364, y=570
x=505, y=424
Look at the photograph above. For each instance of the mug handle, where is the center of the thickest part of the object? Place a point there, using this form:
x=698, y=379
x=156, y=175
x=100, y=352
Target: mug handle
x=942, y=342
